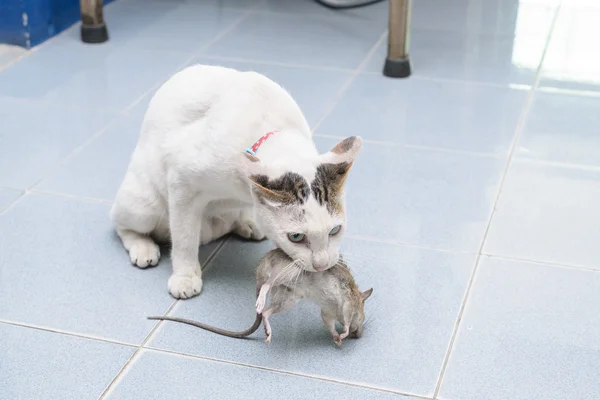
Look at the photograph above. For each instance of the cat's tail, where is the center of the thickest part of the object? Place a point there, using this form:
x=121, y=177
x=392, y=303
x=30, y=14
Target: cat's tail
x=216, y=330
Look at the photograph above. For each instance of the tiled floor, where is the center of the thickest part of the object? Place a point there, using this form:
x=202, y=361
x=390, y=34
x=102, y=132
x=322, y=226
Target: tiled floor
x=474, y=206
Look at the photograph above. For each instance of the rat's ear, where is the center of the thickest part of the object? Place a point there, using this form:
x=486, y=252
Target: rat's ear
x=366, y=294
x=343, y=152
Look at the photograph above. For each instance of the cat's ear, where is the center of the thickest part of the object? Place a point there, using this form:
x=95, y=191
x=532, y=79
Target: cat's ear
x=343, y=152
x=336, y=163
x=252, y=169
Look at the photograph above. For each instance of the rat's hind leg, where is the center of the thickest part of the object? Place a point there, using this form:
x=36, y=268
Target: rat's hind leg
x=136, y=213
x=282, y=299
x=346, y=332
x=329, y=321
x=261, y=298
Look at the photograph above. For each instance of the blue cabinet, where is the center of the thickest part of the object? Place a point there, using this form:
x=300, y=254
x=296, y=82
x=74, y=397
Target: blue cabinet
x=28, y=23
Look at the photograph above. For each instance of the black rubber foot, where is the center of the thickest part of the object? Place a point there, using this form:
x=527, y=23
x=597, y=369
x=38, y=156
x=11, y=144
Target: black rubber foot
x=397, y=68
x=94, y=34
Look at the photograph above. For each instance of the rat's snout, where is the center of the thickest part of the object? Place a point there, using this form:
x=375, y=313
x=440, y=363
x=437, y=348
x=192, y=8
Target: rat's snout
x=320, y=261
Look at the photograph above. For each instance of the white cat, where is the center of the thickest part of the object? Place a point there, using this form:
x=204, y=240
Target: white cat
x=191, y=180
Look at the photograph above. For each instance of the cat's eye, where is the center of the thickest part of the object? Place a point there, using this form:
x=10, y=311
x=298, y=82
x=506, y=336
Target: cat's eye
x=335, y=230
x=296, y=237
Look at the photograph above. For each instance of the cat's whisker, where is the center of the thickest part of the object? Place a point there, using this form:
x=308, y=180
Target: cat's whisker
x=285, y=270
x=294, y=275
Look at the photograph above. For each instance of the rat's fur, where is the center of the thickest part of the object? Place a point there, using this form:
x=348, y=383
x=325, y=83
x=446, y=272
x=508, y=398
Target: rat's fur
x=334, y=290
x=190, y=182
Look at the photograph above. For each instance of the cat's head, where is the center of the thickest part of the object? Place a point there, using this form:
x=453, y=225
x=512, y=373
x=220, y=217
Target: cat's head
x=305, y=214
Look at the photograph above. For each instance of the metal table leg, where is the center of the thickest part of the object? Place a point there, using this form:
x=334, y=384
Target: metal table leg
x=93, y=29
x=397, y=63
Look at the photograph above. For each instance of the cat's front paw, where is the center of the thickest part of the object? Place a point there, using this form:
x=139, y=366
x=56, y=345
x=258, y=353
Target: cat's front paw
x=184, y=286
x=248, y=230
x=144, y=253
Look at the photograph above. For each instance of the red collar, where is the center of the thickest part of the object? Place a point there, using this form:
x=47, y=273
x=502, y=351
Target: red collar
x=252, y=150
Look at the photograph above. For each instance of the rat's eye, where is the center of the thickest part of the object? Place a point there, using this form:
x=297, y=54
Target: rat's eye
x=296, y=237
x=335, y=230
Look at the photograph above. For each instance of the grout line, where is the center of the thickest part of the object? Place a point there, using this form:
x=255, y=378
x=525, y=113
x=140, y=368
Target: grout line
x=73, y=153
x=278, y=63
x=569, y=92
x=113, y=383
x=416, y=76
x=10, y=205
x=134, y=356
x=66, y=333
x=559, y=164
x=208, y=263
x=284, y=372
x=545, y=263
x=99, y=133
x=518, y=131
x=70, y=196
x=349, y=82
x=194, y=55
x=34, y=49
x=419, y=147
x=55, y=167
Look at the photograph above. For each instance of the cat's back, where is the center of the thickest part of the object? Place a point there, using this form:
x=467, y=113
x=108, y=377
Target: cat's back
x=223, y=94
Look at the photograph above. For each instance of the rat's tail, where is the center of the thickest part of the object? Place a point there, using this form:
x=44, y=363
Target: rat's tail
x=216, y=330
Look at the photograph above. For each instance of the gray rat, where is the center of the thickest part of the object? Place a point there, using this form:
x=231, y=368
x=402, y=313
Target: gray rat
x=334, y=290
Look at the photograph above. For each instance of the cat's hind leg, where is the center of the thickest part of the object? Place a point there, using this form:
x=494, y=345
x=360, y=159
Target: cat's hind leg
x=246, y=227
x=135, y=213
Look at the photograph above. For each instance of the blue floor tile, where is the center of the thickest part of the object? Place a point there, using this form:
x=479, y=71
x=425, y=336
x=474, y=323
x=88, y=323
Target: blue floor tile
x=500, y=60
x=571, y=60
x=447, y=115
x=36, y=136
x=420, y=199
x=529, y=332
x=502, y=17
x=548, y=213
x=562, y=127
x=169, y=26
x=97, y=170
x=335, y=40
x=7, y=196
x=76, y=75
x=417, y=294
x=64, y=268
x=166, y=376
x=36, y=364
x=429, y=198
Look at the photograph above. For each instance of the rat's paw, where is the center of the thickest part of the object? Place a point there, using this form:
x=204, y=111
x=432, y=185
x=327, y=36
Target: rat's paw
x=260, y=304
x=268, y=331
x=248, y=230
x=184, y=286
x=144, y=253
x=337, y=339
